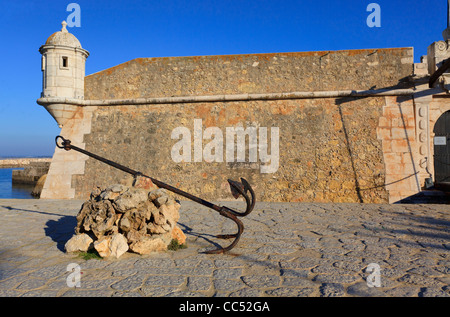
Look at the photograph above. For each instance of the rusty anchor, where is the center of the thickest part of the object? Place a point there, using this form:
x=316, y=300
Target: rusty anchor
x=241, y=188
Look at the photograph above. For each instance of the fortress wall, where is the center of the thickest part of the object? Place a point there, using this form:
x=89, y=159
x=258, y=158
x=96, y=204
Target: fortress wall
x=330, y=149
x=254, y=73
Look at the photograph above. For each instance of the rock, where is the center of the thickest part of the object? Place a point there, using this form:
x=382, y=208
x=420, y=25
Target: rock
x=148, y=245
x=125, y=224
x=85, y=209
x=155, y=229
x=171, y=212
x=136, y=219
x=111, y=246
x=157, y=193
x=166, y=237
x=118, y=245
x=99, y=218
x=160, y=201
x=39, y=186
x=102, y=247
x=81, y=242
x=113, y=192
x=130, y=199
x=361, y=289
x=178, y=234
x=144, y=182
x=134, y=236
x=159, y=219
x=121, y=218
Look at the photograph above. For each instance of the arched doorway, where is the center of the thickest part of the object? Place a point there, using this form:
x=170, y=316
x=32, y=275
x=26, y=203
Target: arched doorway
x=442, y=151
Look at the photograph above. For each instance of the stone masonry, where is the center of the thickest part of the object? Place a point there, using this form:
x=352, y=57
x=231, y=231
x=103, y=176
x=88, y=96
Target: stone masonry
x=340, y=126
x=329, y=149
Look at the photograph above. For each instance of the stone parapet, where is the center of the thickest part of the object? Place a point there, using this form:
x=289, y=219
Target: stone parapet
x=252, y=73
x=22, y=162
x=31, y=173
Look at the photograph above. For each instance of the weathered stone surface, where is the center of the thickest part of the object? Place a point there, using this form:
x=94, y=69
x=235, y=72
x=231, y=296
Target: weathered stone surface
x=122, y=218
x=310, y=174
x=112, y=192
x=332, y=290
x=102, y=247
x=324, y=140
x=81, y=242
x=144, y=182
x=97, y=217
x=178, y=234
x=275, y=72
x=361, y=289
x=31, y=172
x=118, y=245
x=148, y=245
x=39, y=186
x=131, y=198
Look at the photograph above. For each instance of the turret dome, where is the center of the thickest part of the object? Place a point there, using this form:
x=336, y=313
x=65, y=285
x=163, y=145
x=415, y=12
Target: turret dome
x=63, y=37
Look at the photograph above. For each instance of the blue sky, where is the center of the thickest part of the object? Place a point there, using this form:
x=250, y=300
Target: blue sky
x=117, y=31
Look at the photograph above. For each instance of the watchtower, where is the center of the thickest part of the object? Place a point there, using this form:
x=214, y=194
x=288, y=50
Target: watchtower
x=63, y=71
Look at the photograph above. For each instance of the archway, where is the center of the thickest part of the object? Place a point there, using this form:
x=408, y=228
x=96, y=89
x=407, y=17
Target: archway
x=442, y=151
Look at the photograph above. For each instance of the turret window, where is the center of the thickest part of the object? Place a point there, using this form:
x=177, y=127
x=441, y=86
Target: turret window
x=65, y=62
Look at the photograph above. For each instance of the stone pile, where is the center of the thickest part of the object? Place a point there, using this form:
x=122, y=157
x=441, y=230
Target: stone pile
x=121, y=218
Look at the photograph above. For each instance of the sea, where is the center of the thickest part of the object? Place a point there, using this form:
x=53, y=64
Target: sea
x=10, y=191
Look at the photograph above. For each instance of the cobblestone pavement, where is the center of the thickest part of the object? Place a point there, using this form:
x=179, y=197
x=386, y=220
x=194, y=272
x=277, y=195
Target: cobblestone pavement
x=287, y=249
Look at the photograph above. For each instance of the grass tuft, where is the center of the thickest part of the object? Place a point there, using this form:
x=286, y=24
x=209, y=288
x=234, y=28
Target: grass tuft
x=175, y=245
x=90, y=254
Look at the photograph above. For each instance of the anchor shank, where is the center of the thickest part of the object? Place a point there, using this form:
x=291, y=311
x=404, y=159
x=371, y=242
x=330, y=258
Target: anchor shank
x=237, y=190
x=111, y=163
x=136, y=173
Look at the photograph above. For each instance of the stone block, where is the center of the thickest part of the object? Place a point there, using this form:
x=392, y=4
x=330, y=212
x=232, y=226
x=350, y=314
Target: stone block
x=393, y=158
x=400, y=146
x=81, y=242
x=148, y=245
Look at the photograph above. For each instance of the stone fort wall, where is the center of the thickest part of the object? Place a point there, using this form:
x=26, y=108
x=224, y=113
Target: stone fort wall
x=252, y=73
x=331, y=149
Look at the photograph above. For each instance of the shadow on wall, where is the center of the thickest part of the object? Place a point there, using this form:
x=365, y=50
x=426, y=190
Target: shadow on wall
x=349, y=149
x=402, y=84
x=429, y=195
